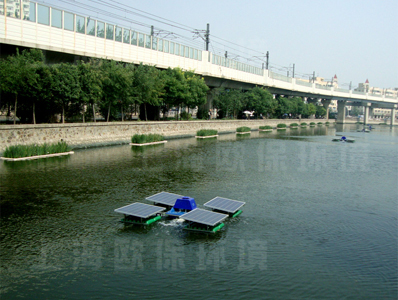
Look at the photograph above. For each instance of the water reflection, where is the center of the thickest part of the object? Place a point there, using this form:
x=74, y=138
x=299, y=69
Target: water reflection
x=315, y=210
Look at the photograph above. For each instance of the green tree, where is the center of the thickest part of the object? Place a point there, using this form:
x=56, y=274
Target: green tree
x=228, y=101
x=284, y=106
x=311, y=109
x=147, y=86
x=260, y=100
x=65, y=86
x=320, y=111
x=115, y=85
x=176, y=88
x=19, y=72
x=197, y=90
x=90, y=84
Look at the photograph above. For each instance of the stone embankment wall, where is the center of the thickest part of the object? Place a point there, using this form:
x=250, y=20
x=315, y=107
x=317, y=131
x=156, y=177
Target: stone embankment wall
x=83, y=135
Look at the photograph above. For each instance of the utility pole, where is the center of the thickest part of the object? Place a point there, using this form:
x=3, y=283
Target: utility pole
x=152, y=30
x=313, y=77
x=293, y=70
x=267, y=56
x=226, y=54
x=263, y=66
x=350, y=85
x=207, y=36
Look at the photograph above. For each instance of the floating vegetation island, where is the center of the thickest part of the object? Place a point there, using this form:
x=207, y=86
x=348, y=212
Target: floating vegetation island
x=35, y=151
x=265, y=128
x=243, y=130
x=206, y=133
x=147, y=139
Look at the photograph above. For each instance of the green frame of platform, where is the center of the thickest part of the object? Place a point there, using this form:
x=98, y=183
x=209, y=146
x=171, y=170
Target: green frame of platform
x=197, y=227
x=142, y=221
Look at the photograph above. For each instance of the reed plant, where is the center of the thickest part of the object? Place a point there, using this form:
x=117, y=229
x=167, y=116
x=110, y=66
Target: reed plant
x=265, y=127
x=18, y=151
x=320, y=123
x=206, y=132
x=327, y=123
x=303, y=124
x=146, y=138
x=294, y=125
x=243, y=129
x=312, y=124
x=281, y=125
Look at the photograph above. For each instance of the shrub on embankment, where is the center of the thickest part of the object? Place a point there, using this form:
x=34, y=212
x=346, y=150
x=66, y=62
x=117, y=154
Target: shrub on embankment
x=18, y=151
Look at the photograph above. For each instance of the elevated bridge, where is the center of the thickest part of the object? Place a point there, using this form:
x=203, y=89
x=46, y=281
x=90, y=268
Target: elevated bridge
x=62, y=34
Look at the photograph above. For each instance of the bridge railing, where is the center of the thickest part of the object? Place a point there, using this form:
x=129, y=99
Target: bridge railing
x=233, y=64
x=279, y=77
x=341, y=90
x=323, y=87
x=303, y=83
x=358, y=93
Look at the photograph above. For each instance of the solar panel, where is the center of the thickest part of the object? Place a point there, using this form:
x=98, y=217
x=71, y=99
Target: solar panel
x=140, y=210
x=164, y=198
x=203, y=216
x=224, y=204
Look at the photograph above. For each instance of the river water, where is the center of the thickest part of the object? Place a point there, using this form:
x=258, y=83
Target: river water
x=320, y=220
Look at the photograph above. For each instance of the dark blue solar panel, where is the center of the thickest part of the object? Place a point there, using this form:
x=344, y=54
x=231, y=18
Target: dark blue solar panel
x=203, y=216
x=164, y=198
x=224, y=204
x=140, y=210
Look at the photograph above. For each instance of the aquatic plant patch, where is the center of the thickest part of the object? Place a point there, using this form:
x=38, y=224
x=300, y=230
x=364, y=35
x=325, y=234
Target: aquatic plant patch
x=206, y=132
x=265, y=127
x=19, y=151
x=281, y=126
x=146, y=138
x=242, y=129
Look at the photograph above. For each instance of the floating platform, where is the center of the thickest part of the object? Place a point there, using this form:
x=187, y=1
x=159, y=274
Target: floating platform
x=140, y=213
x=37, y=156
x=225, y=205
x=345, y=141
x=202, y=220
x=148, y=144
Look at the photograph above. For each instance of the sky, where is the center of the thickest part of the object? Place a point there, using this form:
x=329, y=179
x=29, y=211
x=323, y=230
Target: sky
x=353, y=39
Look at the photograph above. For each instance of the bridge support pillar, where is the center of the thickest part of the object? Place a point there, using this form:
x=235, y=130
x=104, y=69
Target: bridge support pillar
x=340, y=112
x=326, y=103
x=392, y=119
x=211, y=93
x=371, y=112
x=366, y=113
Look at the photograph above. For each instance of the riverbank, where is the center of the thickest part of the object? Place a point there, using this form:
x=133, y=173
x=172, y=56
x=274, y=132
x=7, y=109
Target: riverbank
x=83, y=135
